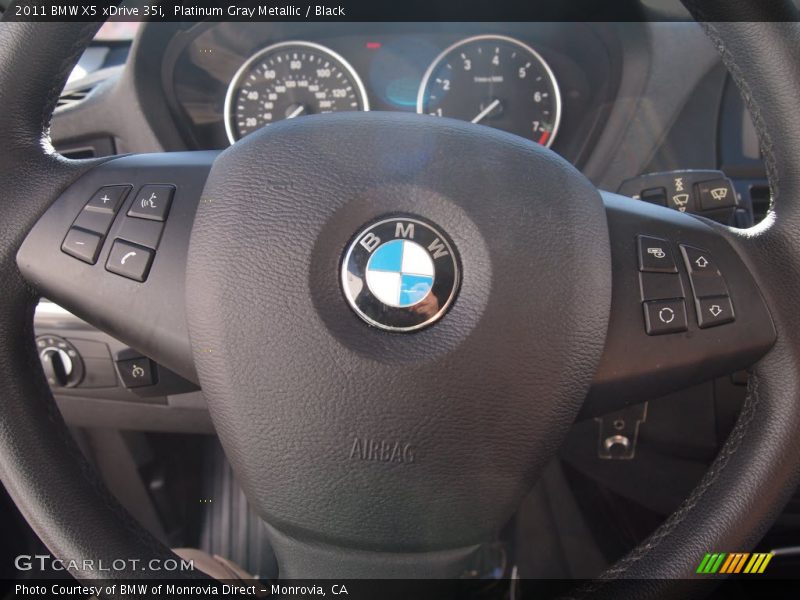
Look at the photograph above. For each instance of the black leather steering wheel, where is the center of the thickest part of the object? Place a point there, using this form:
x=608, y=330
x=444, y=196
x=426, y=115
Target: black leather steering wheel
x=295, y=381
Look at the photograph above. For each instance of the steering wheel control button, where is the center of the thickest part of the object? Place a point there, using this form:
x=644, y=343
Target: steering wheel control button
x=714, y=311
x=704, y=275
x=99, y=212
x=655, y=255
x=136, y=372
x=107, y=199
x=83, y=245
x=400, y=274
x=152, y=202
x=717, y=193
x=664, y=316
x=660, y=286
x=698, y=262
x=129, y=260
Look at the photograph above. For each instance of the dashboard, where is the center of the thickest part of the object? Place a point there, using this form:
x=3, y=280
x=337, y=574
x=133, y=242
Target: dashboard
x=551, y=83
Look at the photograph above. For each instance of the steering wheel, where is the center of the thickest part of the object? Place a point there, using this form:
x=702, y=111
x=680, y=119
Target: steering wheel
x=372, y=441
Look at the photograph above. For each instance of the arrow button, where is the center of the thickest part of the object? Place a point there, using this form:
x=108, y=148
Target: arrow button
x=714, y=311
x=699, y=261
x=706, y=279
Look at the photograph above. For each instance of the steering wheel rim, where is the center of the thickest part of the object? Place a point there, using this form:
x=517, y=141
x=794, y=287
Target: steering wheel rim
x=753, y=476
x=748, y=483
x=68, y=520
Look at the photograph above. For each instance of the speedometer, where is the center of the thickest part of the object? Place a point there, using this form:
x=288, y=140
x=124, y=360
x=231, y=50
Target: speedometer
x=497, y=81
x=288, y=80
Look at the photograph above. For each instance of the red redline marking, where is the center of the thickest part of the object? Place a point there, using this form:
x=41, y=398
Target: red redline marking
x=373, y=45
x=544, y=137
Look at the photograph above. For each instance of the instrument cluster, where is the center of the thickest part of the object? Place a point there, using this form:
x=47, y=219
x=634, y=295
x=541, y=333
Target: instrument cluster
x=549, y=83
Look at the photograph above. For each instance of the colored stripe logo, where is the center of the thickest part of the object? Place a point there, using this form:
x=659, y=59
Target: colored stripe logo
x=734, y=562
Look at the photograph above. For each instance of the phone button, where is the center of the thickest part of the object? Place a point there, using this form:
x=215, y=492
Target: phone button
x=130, y=260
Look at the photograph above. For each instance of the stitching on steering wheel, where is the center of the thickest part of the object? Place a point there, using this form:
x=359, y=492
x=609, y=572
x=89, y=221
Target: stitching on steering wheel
x=751, y=402
x=67, y=63
x=88, y=473
x=728, y=451
x=765, y=139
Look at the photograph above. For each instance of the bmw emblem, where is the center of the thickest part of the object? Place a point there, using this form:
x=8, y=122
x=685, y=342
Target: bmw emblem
x=400, y=274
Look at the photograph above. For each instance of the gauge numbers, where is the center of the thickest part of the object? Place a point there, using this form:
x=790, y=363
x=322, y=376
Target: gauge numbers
x=288, y=80
x=496, y=81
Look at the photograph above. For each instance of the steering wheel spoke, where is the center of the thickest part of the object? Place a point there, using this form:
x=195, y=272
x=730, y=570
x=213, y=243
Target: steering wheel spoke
x=112, y=249
x=684, y=308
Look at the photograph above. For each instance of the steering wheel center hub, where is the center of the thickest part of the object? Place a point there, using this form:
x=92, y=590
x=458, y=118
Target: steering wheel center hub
x=340, y=430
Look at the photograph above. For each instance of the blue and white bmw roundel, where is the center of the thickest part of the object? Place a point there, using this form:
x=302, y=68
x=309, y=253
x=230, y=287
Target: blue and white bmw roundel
x=400, y=274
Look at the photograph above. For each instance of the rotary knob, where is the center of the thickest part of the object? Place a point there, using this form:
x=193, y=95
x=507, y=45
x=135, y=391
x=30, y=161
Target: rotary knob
x=61, y=362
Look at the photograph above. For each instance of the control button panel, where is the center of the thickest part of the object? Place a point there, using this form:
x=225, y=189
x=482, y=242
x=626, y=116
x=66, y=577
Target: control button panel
x=83, y=245
x=662, y=292
x=136, y=372
x=138, y=235
x=665, y=316
x=711, y=298
x=705, y=192
x=152, y=202
x=655, y=255
x=84, y=240
x=130, y=260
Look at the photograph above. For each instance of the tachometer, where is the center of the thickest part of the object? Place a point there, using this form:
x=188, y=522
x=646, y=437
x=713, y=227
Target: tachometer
x=288, y=80
x=497, y=81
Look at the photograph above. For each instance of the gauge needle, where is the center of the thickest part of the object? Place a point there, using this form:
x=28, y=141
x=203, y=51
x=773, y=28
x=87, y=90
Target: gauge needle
x=479, y=117
x=297, y=111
